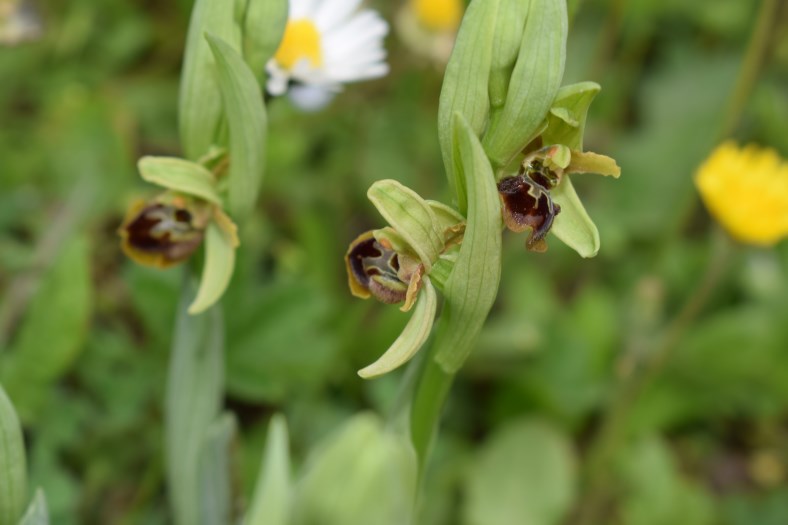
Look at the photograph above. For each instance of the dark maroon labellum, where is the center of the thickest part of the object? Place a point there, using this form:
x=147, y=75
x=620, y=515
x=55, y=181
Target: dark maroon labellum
x=161, y=235
x=527, y=204
x=374, y=268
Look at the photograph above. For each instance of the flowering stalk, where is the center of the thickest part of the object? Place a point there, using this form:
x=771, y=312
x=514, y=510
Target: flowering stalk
x=510, y=140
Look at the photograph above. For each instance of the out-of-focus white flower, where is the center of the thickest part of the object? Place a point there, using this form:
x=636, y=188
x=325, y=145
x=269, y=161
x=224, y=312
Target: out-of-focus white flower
x=19, y=22
x=429, y=27
x=327, y=43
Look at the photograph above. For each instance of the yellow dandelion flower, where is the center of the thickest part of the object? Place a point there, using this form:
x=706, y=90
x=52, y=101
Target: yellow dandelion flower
x=746, y=190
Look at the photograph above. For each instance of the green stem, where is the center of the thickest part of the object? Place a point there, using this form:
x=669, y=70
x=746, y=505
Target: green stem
x=753, y=59
x=612, y=433
x=430, y=394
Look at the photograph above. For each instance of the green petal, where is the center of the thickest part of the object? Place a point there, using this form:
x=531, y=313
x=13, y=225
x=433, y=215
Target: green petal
x=218, y=269
x=412, y=337
x=473, y=284
x=446, y=216
x=180, y=175
x=243, y=106
x=589, y=162
x=410, y=216
x=573, y=225
x=567, y=120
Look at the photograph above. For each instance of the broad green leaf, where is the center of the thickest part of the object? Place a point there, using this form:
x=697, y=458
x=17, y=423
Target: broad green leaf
x=216, y=477
x=264, y=25
x=412, y=337
x=465, y=86
x=524, y=473
x=567, y=119
x=362, y=474
x=53, y=330
x=410, y=216
x=180, y=175
x=199, y=103
x=534, y=83
x=37, y=513
x=273, y=493
x=193, y=400
x=573, y=225
x=246, y=119
x=13, y=465
x=473, y=284
x=218, y=268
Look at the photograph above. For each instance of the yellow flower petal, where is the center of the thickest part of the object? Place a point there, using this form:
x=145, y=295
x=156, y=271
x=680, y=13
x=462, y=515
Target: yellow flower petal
x=300, y=41
x=746, y=190
x=438, y=15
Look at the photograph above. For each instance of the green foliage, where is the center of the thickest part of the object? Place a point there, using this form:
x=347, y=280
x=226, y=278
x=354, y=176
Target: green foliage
x=13, y=465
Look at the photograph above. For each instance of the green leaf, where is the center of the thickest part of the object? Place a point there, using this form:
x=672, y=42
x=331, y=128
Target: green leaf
x=199, y=103
x=473, y=284
x=573, y=225
x=362, y=474
x=218, y=268
x=193, y=400
x=534, y=83
x=465, y=86
x=567, y=119
x=412, y=337
x=37, y=513
x=180, y=175
x=271, y=502
x=246, y=118
x=524, y=473
x=264, y=25
x=216, y=501
x=53, y=331
x=13, y=465
x=410, y=216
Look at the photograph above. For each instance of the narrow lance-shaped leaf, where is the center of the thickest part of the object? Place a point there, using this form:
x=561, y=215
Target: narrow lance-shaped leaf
x=410, y=216
x=246, y=118
x=473, y=284
x=264, y=25
x=220, y=244
x=199, y=103
x=413, y=336
x=216, y=501
x=37, y=513
x=13, y=467
x=535, y=80
x=271, y=502
x=195, y=385
x=465, y=85
x=180, y=175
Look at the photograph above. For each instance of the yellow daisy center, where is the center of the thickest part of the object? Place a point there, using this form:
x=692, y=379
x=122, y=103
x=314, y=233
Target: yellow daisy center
x=746, y=189
x=300, y=41
x=438, y=15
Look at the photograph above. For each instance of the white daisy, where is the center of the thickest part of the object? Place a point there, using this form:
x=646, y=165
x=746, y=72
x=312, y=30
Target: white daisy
x=327, y=43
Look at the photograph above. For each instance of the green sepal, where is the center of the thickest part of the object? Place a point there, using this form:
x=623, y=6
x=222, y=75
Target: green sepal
x=534, y=83
x=200, y=105
x=273, y=492
x=466, y=86
x=573, y=225
x=446, y=217
x=246, y=118
x=413, y=336
x=589, y=162
x=180, y=175
x=264, y=25
x=411, y=217
x=567, y=119
x=13, y=464
x=220, y=244
x=473, y=284
x=37, y=512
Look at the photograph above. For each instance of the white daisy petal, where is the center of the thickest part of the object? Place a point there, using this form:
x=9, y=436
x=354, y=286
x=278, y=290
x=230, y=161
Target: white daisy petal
x=331, y=13
x=310, y=98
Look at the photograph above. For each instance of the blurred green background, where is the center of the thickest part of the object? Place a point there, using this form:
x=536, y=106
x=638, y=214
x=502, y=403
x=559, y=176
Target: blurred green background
x=85, y=334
